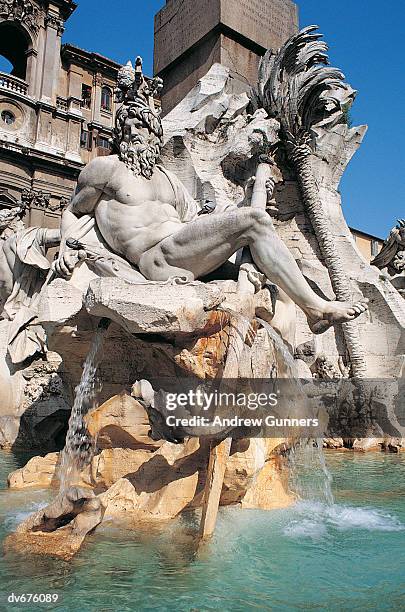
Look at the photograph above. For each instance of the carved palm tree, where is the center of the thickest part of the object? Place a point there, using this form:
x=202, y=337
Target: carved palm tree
x=297, y=87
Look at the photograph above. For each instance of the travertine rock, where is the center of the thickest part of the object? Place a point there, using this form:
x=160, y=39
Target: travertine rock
x=61, y=301
x=249, y=472
x=9, y=430
x=393, y=445
x=59, y=529
x=106, y=467
x=114, y=463
x=157, y=485
x=34, y=407
x=38, y=472
x=367, y=444
x=153, y=307
x=121, y=422
x=205, y=356
x=215, y=166
x=270, y=489
x=162, y=487
x=333, y=443
x=253, y=477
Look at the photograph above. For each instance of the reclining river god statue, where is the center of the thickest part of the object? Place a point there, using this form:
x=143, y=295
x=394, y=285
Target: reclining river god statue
x=132, y=218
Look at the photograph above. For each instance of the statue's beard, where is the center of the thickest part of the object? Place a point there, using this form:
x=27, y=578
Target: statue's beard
x=141, y=157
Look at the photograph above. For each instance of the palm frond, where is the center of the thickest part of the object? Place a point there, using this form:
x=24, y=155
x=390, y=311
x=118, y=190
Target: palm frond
x=298, y=87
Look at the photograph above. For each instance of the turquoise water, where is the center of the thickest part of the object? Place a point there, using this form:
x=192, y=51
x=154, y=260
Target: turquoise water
x=347, y=556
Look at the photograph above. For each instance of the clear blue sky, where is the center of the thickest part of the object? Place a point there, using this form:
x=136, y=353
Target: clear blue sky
x=365, y=42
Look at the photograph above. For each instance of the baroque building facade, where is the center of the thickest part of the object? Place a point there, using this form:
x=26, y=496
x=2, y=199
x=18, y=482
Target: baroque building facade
x=56, y=108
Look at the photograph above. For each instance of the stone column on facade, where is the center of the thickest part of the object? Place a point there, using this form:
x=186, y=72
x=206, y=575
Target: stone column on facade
x=73, y=138
x=31, y=72
x=97, y=87
x=75, y=115
x=54, y=31
x=35, y=83
x=44, y=126
x=75, y=80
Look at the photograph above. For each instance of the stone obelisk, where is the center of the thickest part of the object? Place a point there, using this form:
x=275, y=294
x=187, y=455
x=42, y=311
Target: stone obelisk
x=190, y=36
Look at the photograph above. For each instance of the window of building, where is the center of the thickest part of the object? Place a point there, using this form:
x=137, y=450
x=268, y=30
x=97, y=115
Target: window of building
x=375, y=247
x=14, y=44
x=5, y=65
x=106, y=99
x=86, y=96
x=103, y=142
x=85, y=140
x=8, y=117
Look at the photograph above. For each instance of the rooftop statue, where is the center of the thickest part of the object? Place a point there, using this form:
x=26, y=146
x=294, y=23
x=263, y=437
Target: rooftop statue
x=392, y=256
x=132, y=218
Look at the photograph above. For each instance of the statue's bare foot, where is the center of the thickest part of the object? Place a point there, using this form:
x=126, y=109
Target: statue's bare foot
x=335, y=312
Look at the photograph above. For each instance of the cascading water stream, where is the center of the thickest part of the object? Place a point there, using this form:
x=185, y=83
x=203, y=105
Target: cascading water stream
x=309, y=474
x=241, y=320
x=79, y=446
x=281, y=349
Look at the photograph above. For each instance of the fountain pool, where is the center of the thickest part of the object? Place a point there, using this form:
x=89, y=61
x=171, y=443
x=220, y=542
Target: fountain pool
x=315, y=555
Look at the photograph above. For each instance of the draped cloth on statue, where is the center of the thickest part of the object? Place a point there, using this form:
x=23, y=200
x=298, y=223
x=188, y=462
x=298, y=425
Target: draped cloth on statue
x=392, y=254
x=386, y=256
x=187, y=208
x=30, y=269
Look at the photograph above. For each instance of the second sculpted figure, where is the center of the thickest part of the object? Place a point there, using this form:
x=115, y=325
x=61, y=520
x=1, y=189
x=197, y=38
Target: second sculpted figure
x=130, y=207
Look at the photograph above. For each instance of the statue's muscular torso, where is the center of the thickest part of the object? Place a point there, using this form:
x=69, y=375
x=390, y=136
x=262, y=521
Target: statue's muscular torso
x=132, y=213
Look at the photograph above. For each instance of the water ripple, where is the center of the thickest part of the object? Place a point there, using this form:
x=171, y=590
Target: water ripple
x=316, y=519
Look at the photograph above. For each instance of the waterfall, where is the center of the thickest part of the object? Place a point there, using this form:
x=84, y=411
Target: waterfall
x=242, y=320
x=309, y=475
x=281, y=348
x=79, y=446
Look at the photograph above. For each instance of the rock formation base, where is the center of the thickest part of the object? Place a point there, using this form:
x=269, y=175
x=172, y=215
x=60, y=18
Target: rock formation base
x=135, y=479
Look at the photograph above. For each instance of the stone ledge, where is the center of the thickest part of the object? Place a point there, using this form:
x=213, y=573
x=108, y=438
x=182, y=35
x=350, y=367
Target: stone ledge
x=154, y=308
x=60, y=302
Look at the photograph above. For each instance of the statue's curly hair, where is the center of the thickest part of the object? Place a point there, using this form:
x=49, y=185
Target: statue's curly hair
x=144, y=113
x=140, y=160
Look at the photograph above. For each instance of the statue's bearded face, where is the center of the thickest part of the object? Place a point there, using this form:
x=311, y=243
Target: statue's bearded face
x=138, y=138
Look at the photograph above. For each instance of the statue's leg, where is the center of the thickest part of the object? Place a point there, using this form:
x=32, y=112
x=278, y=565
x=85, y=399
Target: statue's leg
x=199, y=247
x=203, y=245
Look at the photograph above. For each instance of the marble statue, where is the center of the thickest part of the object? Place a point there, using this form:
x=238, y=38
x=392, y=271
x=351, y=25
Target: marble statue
x=129, y=205
x=137, y=249
x=9, y=215
x=298, y=87
x=392, y=256
x=24, y=269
